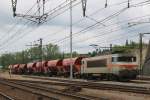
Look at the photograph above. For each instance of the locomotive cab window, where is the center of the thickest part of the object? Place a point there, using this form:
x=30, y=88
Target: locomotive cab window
x=97, y=63
x=124, y=59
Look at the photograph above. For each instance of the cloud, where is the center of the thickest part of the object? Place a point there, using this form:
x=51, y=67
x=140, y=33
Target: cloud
x=58, y=28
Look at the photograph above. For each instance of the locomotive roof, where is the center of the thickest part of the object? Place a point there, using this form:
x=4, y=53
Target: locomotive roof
x=98, y=57
x=108, y=56
x=127, y=54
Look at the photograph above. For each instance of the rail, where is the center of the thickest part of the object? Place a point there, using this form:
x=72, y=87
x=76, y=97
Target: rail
x=93, y=85
x=5, y=97
x=54, y=91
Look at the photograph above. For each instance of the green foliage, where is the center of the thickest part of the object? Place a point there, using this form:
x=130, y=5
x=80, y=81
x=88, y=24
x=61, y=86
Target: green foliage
x=74, y=54
x=49, y=52
x=126, y=48
x=33, y=54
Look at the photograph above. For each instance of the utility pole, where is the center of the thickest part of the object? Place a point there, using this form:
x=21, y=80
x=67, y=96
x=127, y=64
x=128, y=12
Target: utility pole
x=40, y=45
x=41, y=51
x=111, y=48
x=140, y=48
x=31, y=50
x=23, y=57
x=71, y=69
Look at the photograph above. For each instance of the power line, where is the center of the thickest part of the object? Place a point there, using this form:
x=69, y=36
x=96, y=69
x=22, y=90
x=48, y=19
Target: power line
x=106, y=33
x=117, y=39
x=13, y=27
x=18, y=23
x=11, y=38
x=109, y=17
x=90, y=15
x=91, y=26
x=84, y=18
x=52, y=11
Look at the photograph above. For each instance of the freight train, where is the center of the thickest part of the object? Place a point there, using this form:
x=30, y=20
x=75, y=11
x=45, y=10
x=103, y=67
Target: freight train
x=113, y=66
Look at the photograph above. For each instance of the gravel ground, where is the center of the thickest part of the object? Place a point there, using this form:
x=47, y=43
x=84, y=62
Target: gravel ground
x=115, y=95
x=112, y=95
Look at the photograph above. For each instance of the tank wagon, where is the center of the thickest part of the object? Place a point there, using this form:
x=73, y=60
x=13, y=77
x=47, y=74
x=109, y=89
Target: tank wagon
x=31, y=68
x=113, y=66
x=76, y=65
x=39, y=68
x=22, y=68
x=54, y=67
x=15, y=69
x=45, y=67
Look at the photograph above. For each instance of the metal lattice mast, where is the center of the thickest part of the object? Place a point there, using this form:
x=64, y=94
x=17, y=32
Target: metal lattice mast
x=39, y=18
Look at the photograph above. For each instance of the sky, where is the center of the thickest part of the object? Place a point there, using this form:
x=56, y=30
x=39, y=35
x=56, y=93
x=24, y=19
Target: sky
x=103, y=26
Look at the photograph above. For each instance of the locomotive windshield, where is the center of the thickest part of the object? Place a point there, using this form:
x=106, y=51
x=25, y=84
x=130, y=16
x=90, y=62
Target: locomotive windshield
x=124, y=59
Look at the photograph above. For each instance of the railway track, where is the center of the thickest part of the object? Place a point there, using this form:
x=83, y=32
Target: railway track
x=143, y=78
x=5, y=97
x=93, y=85
x=48, y=92
x=23, y=93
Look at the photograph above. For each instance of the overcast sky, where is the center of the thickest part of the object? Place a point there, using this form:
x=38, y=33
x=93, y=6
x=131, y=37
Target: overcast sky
x=15, y=34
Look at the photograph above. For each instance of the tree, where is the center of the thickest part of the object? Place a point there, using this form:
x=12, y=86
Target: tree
x=49, y=52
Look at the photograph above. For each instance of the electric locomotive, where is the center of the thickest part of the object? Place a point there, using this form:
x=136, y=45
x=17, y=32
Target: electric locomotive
x=114, y=66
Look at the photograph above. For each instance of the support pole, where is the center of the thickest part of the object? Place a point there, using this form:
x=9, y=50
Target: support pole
x=84, y=2
x=14, y=4
x=41, y=51
x=128, y=3
x=110, y=48
x=106, y=4
x=39, y=11
x=140, y=47
x=43, y=7
x=71, y=69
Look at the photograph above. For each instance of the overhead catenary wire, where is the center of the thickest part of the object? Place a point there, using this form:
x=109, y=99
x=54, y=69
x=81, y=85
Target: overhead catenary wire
x=4, y=43
x=115, y=39
x=109, y=17
x=95, y=12
x=129, y=35
x=91, y=14
x=19, y=30
x=104, y=33
x=98, y=36
x=11, y=29
x=89, y=27
x=65, y=10
x=14, y=26
x=21, y=19
x=119, y=37
x=107, y=33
